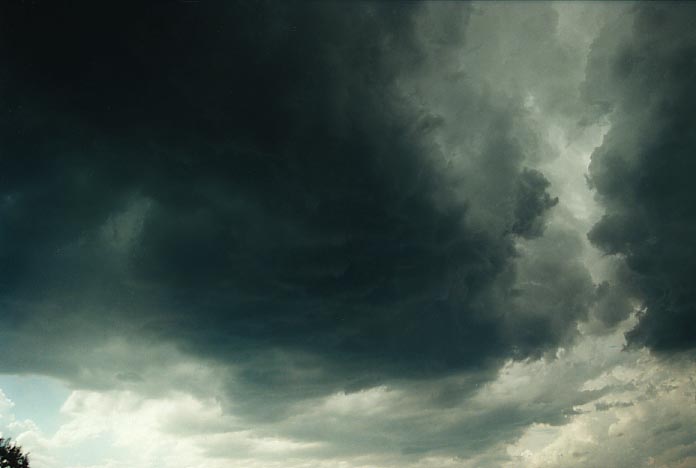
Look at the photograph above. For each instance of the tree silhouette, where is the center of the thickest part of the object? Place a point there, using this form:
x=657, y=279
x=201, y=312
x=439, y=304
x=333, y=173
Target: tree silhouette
x=11, y=455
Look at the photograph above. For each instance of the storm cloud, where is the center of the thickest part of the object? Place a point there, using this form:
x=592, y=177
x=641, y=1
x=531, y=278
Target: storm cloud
x=348, y=234
x=254, y=176
x=641, y=70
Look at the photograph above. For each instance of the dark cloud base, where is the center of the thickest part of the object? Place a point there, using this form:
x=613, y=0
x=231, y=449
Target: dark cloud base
x=298, y=214
x=249, y=177
x=643, y=171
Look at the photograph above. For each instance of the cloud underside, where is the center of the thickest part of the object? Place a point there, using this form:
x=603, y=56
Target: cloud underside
x=642, y=73
x=245, y=186
x=274, y=216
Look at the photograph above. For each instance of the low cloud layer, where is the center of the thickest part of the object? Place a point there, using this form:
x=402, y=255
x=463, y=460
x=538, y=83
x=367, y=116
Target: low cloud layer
x=276, y=191
x=347, y=234
x=641, y=70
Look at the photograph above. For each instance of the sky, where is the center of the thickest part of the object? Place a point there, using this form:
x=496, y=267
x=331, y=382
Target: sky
x=348, y=234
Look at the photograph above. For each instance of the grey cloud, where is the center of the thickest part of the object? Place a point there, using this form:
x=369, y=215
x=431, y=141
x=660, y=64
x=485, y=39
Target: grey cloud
x=251, y=187
x=298, y=200
x=337, y=222
x=405, y=421
x=532, y=202
x=602, y=406
x=642, y=70
x=613, y=304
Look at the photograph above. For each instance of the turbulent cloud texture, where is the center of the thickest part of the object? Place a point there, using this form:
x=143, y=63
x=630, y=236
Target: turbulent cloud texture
x=267, y=179
x=348, y=234
x=642, y=70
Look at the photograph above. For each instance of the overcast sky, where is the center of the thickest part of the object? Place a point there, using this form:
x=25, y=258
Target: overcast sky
x=348, y=234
